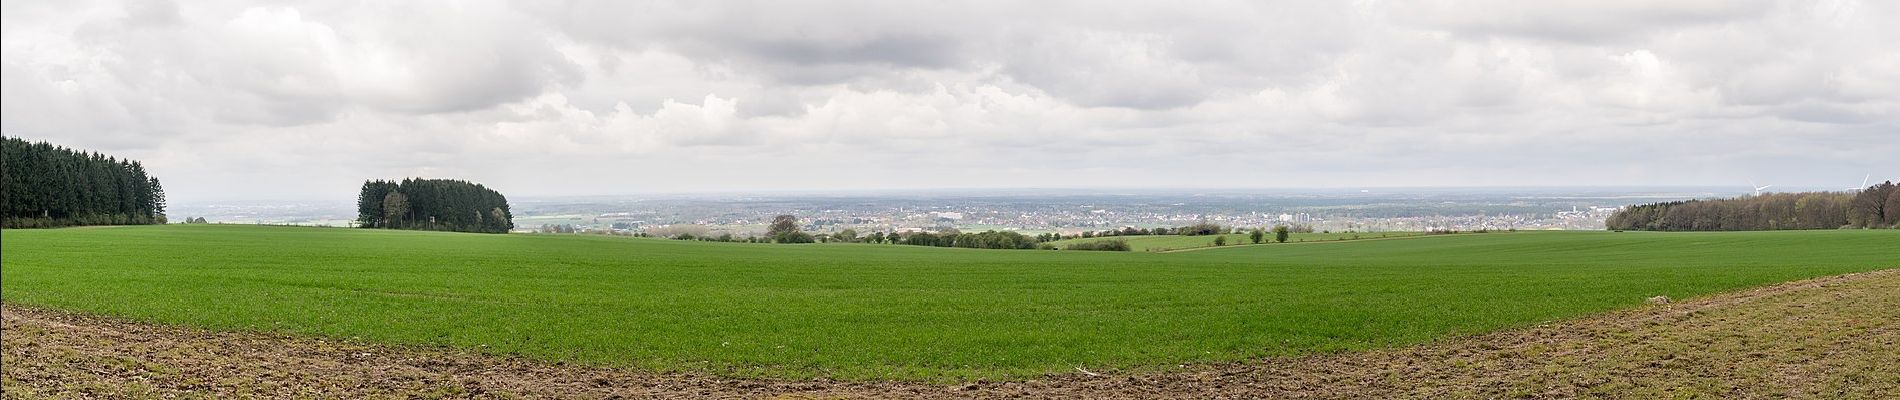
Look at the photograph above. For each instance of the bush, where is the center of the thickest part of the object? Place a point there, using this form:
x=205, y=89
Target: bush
x=1200, y=229
x=1103, y=245
x=792, y=237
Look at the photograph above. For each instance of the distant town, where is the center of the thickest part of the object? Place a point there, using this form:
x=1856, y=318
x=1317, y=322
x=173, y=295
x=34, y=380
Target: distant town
x=1029, y=212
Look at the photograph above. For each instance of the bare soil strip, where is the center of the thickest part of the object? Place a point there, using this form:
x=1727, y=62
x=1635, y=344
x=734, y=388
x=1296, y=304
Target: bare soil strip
x=1833, y=337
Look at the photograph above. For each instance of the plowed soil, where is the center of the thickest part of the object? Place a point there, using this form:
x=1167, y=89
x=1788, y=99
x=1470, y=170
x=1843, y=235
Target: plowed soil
x=1833, y=337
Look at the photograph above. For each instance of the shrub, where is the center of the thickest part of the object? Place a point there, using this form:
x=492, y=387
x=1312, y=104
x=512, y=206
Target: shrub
x=793, y=237
x=1200, y=229
x=1103, y=245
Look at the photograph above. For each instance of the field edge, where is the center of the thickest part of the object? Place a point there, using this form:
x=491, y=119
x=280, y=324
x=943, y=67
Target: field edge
x=62, y=354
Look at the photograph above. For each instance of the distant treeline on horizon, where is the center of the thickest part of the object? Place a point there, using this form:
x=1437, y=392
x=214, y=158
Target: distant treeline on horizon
x=433, y=205
x=1876, y=207
x=53, y=186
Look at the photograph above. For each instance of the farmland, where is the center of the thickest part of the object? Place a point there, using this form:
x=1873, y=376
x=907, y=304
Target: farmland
x=855, y=311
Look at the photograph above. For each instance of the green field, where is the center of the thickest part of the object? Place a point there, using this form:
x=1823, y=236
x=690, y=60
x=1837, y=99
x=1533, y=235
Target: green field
x=1154, y=243
x=857, y=311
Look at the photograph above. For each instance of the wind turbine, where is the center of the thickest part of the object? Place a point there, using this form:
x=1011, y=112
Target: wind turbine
x=1863, y=184
x=1751, y=182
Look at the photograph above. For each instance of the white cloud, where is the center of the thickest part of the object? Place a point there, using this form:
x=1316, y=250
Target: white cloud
x=241, y=100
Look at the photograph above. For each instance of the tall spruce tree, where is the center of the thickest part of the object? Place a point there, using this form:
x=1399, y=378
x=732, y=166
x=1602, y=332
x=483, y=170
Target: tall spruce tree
x=433, y=204
x=52, y=186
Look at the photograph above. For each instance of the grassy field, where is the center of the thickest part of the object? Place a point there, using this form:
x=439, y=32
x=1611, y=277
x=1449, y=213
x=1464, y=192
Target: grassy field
x=882, y=311
x=1154, y=243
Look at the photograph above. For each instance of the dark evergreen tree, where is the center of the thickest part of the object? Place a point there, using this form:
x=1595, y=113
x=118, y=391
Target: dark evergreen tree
x=369, y=203
x=52, y=186
x=432, y=204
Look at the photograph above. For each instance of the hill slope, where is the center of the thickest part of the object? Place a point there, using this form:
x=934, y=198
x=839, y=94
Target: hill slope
x=1829, y=337
x=872, y=311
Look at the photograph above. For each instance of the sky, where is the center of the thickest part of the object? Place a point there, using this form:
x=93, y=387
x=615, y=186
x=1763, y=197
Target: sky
x=233, y=100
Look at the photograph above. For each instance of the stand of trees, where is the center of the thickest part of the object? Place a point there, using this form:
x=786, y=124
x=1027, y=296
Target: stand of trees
x=53, y=186
x=433, y=204
x=784, y=229
x=979, y=240
x=951, y=238
x=1877, y=206
x=1201, y=229
x=1099, y=245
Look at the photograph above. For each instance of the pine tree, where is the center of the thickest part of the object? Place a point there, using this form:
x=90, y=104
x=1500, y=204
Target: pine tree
x=433, y=204
x=51, y=186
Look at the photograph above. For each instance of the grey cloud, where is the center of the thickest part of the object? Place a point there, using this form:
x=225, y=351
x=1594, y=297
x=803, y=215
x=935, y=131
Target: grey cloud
x=796, y=43
x=284, y=66
x=473, y=57
x=1056, y=47
x=156, y=13
x=1575, y=21
x=1108, y=70
x=1835, y=114
x=925, y=51
x=226, y=96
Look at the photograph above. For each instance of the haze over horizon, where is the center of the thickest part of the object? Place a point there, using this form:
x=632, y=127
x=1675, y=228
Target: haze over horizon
x=236, y=100
x=1366, y=192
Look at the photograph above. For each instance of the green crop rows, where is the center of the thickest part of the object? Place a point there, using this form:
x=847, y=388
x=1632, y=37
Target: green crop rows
x=857, y=311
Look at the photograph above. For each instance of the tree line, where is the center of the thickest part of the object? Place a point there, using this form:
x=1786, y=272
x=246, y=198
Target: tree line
x=1099, y=245
x=785, y=229
x=53, y=186
x=1877, y=206
x=1198, y=229
x=432, y=204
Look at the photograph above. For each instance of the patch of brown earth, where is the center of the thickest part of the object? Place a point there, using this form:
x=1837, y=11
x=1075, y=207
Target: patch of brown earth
x=1833, y=337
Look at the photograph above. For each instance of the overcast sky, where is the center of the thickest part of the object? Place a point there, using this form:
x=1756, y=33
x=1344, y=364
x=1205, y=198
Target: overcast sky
x=288, y=100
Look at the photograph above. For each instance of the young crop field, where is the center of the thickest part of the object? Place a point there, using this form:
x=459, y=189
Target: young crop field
x=855, y=311
x=1159, y=243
